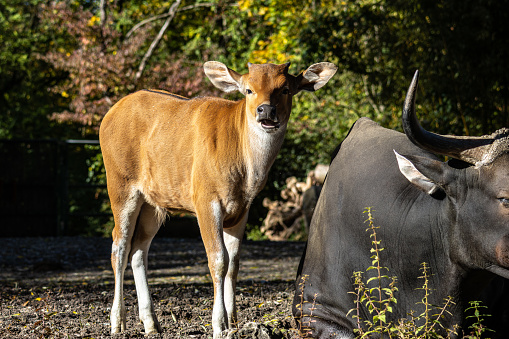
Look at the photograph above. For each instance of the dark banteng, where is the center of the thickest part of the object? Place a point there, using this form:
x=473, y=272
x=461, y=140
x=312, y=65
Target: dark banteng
x=452, y=215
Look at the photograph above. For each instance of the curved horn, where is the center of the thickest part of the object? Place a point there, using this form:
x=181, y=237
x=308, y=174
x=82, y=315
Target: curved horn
x=468, y=149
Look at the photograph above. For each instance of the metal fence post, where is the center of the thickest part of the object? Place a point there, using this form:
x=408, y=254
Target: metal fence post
x=63, y=188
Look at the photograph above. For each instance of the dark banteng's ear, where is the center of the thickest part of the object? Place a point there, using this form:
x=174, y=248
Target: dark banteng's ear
x=427, y=174
x=316, y=76
x=222, y=77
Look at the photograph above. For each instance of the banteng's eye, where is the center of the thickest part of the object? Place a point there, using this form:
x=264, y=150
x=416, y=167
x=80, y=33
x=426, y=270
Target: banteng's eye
x=286, y=91
x=504, y=202
x=248, y=91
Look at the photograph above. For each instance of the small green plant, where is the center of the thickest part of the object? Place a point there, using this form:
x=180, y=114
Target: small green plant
x=430, y=318
x=305, y=320
x=477, y=328
x=380, y=300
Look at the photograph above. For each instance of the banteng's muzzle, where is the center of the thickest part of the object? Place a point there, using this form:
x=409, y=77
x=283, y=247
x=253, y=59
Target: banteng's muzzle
x=267, y=117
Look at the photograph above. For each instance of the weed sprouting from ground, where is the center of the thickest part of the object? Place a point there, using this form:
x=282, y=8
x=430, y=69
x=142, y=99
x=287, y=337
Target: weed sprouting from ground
x=380, y=302
x=477, y=328
x=305, y=320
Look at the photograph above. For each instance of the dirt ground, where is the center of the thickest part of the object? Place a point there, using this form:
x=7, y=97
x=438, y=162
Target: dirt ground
x=63, y=288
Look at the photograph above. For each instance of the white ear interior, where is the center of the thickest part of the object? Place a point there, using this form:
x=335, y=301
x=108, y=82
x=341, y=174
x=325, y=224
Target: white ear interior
x=220, y=76
x=413, y=175
x=317, y=75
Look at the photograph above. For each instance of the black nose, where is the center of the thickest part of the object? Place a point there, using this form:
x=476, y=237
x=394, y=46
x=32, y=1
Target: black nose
x=266, y=112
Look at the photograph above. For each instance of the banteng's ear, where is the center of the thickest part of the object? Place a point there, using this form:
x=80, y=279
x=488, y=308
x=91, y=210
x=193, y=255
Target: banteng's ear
x=427, y=174
x=222, y=77
x=316, y=76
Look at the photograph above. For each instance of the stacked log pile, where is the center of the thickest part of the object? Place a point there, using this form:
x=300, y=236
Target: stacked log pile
x=290, y=217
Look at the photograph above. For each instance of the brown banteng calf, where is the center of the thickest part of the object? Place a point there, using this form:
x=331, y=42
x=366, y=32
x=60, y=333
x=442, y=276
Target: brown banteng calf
x=206, y=156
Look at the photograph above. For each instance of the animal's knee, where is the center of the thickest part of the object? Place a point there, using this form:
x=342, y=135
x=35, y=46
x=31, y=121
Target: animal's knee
x=218, y=263
x=137, y=260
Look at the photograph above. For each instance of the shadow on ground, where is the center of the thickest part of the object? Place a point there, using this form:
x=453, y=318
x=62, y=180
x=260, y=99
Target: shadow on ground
x=63, y=287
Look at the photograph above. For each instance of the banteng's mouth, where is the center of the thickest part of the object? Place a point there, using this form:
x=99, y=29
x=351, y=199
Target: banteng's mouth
x=267, y=117
x=269, y=125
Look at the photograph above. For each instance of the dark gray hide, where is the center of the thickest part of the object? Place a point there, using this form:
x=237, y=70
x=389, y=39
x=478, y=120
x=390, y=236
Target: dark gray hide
x=309, y=200
x=453, y=217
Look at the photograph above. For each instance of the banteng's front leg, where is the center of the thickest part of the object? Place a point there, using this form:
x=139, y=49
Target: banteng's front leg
x=210, y=219
x=233, y=240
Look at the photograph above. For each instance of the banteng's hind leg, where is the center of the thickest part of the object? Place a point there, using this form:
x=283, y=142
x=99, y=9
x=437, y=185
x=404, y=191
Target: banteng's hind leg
x=125, y=207
x=146, y=228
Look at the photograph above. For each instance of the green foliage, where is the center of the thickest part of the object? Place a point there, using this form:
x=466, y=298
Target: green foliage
x=305, y=321
x=451, y=42
x=63, y=64
x=97, y=177
x=24, y=78
x=477, y=328
x=87, y=203
x=380, y=300
x=253, y=233
x=378, y=295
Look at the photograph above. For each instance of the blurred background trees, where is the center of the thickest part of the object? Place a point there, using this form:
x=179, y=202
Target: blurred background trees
x=63, y=64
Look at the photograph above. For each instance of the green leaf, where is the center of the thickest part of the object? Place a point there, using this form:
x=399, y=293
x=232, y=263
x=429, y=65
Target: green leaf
x=379, y=318
x=371, y=279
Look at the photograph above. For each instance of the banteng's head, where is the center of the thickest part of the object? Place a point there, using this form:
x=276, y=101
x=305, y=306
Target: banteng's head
x=475, y=181
x=269, y=88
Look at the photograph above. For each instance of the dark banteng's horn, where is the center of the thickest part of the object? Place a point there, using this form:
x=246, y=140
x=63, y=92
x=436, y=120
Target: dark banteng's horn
x=474, y=150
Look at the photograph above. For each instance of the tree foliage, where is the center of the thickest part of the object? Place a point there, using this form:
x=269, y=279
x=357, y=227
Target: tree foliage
x=24, y=78
x=103, y=63
x=63, y=64
x=459, y=46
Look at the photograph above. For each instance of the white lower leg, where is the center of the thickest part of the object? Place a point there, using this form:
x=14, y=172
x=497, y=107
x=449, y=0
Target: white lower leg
x=122, y=234
x=218, y=270
x=118, y=317
x=118, y=314
x=232, y=239
x=219, y=315
x=146, y=307
x=229, y=301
